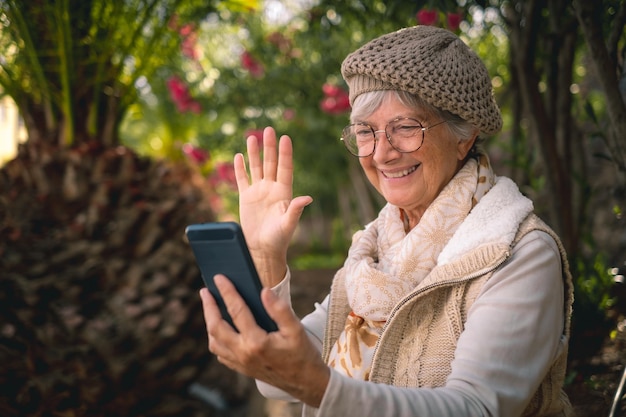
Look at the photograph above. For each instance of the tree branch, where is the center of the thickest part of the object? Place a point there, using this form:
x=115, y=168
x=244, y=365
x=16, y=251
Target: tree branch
x=591, y=24
x=617, y=30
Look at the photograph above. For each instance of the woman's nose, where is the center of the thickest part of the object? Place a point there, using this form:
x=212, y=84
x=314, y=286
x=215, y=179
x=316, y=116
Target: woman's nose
x=383, y=145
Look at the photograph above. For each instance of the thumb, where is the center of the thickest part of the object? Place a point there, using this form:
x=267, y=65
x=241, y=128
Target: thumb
x=280, y=311
x=296, y=207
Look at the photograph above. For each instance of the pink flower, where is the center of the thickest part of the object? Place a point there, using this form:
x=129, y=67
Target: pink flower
x=186, y=30
x=289, y=114
x=331, y=90
x=454, y=21
x=181, y=97
x=254, y=67
x=427, y=17
x=225, y=172
x=178, y=89
x=336, y=100
x=188, y=46
x=335, y=105
x=343, y=102
x=195, y=154
x=194, y=107
x=328, y=105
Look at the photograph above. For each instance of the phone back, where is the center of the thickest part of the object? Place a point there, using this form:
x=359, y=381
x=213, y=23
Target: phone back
x=220, y=248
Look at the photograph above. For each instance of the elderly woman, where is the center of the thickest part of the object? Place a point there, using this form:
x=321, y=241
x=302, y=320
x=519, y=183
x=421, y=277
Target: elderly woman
x=454, y=301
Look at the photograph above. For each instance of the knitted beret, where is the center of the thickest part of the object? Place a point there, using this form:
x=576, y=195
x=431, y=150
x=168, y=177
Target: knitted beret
x=432, y=63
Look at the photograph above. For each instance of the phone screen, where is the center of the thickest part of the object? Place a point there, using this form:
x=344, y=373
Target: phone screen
x=220, y=248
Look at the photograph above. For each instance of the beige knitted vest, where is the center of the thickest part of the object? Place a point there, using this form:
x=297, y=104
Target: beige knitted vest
x=424, y=327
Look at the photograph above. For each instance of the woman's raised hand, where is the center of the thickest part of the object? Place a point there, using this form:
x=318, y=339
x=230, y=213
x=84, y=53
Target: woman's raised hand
x=267, y=210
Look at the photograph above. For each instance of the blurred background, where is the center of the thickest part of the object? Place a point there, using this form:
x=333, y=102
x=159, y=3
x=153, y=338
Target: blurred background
x=118, y=125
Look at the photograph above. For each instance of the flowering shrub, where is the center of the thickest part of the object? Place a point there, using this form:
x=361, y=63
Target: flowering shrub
x=427, y=17
x=454, y=21
x=249, y=63
x=190, y=37
x=195, y=154
x=430, y=17
x=335, y=101
x=225, y=173
x=179, y=93
x=225, y=200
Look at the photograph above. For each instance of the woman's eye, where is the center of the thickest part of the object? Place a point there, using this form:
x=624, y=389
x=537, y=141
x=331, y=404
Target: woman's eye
x=405, y=130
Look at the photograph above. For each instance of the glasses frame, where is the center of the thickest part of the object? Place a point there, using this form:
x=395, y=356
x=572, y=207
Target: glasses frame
x=387, y=135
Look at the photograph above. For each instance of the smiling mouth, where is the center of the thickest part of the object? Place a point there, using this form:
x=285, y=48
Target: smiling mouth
x=400, y=174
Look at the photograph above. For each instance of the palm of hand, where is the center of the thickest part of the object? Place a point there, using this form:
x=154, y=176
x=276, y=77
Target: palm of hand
x=262, y=208
x=268, y=212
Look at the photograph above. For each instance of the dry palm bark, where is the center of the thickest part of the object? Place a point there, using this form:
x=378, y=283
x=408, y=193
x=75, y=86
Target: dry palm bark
x=99, y=312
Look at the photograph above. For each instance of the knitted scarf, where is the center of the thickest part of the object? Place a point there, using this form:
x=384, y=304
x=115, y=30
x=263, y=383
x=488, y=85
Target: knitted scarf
x=385, y=263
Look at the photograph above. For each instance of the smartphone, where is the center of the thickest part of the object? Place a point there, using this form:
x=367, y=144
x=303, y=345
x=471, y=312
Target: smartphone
x=220, y=248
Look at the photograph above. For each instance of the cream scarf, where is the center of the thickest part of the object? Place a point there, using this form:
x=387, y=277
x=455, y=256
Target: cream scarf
x=385, y=263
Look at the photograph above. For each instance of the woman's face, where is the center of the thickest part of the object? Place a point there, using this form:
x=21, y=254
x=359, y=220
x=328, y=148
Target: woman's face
x=413, y=180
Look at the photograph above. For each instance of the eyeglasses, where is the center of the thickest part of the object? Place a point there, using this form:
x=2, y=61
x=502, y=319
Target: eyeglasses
x=404, y=135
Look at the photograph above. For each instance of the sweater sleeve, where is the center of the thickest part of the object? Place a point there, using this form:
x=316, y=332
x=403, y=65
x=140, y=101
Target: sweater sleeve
x=512, y=336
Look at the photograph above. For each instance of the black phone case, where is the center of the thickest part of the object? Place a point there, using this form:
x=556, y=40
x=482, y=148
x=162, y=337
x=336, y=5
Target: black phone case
x=220, y=248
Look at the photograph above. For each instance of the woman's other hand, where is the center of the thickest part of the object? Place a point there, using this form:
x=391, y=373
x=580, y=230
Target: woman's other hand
x=285, y=358
x=268, y=212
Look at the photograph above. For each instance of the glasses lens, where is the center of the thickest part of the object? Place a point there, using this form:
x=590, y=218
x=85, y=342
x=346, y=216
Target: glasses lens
x=406, y=135
x=359, y=139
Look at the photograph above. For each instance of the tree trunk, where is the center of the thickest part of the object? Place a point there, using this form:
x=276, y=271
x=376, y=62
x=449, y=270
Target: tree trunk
x=606, y=70
x=549, y=112
x=99, y=311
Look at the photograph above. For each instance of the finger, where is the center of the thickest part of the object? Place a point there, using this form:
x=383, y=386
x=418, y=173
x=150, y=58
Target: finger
x=211, y=311
x=237, y=308
x=269, y=154
x=285, y=161
x=234, y=364
x=241, y=174
x=218, y=348
x=280, y=312
x=294, y=211
x=216, y=326
x=254, y=159
x=228, y=363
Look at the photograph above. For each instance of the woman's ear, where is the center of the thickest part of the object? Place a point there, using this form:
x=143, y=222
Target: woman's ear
x=463, y=147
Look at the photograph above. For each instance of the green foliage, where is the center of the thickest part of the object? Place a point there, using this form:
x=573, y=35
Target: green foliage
x=593, y=319
x=319, y=256
x=71, y=66
x=297, y=56
x=318, y=260
x=593, y=283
